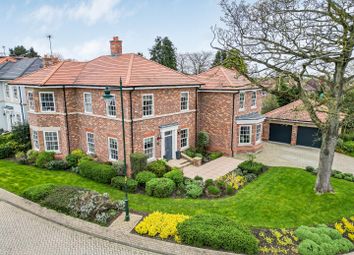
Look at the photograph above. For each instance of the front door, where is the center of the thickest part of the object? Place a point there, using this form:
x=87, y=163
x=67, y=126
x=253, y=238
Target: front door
x=168, y=145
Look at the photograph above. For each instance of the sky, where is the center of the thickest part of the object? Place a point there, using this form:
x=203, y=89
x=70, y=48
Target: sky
x=82, y=29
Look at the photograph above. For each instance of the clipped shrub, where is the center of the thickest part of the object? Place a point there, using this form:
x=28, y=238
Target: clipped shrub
x=193, y=190
x=230, y=190
x=339, y=176
x=198, y=178
x=321, y=240
x=138, y=162
x=251, y=167
x=21, y=157
x=175, y=175
x=159, y=224
x=160, y=187
x=198, y=155
x=119, y=182
x=217, y=232
x=202, y=141
x=38, y=192
x=213, y=190
x=158, y=167
x=215, y=155
x=96, y=171
x=57, y=165
x=74, y=157
x=44, y=158
x=7, y=150
x=209, y=182
x=144, y=176
x=32, y=156
x=310, y=169
x=190, y=152
x=348, y=146
x=118, y=167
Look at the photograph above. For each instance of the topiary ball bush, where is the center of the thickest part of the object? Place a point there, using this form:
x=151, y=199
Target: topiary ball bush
x=193, y=190
x=98, y=172
x=38, y=192
x=217, y=232
x=175, y=175
x=209, y=182
x=118, y=182
x=160, y=187
x=213, y=190
x=144, y=176
x=158, y=167
x=44, y=158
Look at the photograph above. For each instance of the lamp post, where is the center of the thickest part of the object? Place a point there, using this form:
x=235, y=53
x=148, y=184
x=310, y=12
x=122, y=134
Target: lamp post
x=108, y=98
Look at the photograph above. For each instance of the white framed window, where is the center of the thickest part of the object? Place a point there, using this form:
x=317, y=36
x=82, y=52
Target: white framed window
x=18, y=119
x=254, y=99
x=184, y=101
x=51, y=141
x=245, y=134
x=15, y=92
x=184, y=138
x=148, y=105
x=112, y=108
x=35, y=140
x=30, y=99
x=88, y=102
x=242, y=101
x=259, y=133
x=90, y=139
x=7, y=91
x=113, y=148
x=47, y=101
x=149, y=147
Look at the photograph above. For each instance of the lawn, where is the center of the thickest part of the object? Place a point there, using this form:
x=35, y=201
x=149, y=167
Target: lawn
x=281, y=197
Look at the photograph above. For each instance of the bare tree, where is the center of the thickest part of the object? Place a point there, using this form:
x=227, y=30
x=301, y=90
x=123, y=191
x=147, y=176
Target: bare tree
x=301, y=40
x=195, y=62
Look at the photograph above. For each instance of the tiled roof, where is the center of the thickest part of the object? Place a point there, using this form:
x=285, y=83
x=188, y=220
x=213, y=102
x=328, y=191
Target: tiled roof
x=220, y=77
x=107, y=70
x=7, y=59
x=11, y=70
x=294, y=111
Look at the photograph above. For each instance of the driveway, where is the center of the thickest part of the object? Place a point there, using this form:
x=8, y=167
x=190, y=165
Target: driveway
x=275, y=154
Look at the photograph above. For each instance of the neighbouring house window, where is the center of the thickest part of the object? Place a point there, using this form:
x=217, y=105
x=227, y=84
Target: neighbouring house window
x=259, y=133
x=111, y=108
x=242, y=100
x=149, y=147
x=7, y=91
x=47, y=102
x=18, y=119
x=30, y=101
x=88, y=102
x=184, y=138
x=51, y=141
x=184, y=101
x=148, y=105
x=254, y=99
x=245, y=134
x=113, y=148
x=90, y=143
x=15, y=92
x=35, y=140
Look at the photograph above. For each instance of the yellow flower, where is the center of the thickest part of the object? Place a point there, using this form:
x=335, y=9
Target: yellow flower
x=339, y=228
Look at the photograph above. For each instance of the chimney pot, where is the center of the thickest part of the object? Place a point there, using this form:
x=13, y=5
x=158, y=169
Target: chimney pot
x=116, y=46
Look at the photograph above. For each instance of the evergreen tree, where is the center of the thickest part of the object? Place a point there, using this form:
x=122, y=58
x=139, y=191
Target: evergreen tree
x=164, y=52
x=21, y=51
x=220, y=57
x=235, y=61
x=285, y=93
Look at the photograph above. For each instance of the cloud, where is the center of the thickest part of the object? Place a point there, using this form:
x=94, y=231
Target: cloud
x=88, y=12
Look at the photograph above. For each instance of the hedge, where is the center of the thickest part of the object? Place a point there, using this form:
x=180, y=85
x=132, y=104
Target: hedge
x=44, y=158
x=144, y=176
x=96, y=171
x=158, y=167
x=217, y=232
x=160, y=187
x=39, y=192
x=175, y=175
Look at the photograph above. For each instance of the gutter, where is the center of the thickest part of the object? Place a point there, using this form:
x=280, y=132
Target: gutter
x=21, y=105
x=66, y=121
x=131, y=121
x=232, y=125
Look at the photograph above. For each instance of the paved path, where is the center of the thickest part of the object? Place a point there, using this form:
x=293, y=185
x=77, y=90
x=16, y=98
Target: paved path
x=297, y=156
x=23, y=233
x=29, y=229
x=212, y=169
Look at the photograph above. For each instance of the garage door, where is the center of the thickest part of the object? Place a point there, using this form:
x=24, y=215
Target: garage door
x=280, y=133
x=308, y=136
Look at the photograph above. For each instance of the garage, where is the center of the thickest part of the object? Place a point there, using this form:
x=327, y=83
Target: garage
x=308, y=136
x=280, y=133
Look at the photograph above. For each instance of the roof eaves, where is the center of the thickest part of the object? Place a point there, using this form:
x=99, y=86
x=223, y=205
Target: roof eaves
x=51, y=74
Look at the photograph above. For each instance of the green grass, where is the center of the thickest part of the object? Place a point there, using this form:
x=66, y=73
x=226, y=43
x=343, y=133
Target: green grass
x=281, y=197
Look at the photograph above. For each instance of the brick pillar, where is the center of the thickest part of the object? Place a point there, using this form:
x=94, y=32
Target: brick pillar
x=294, y=134
x=265, y=136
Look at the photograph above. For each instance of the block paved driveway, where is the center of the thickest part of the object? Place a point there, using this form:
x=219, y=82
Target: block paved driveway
x=22, y=233
x=297, y=156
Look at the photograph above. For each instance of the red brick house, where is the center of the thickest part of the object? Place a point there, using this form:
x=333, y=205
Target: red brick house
x=164, y=109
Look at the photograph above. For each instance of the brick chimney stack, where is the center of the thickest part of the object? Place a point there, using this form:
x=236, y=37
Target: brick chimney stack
x=116, y=46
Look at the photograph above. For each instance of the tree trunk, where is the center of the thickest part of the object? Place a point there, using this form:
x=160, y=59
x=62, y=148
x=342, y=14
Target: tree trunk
x=329, y=143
